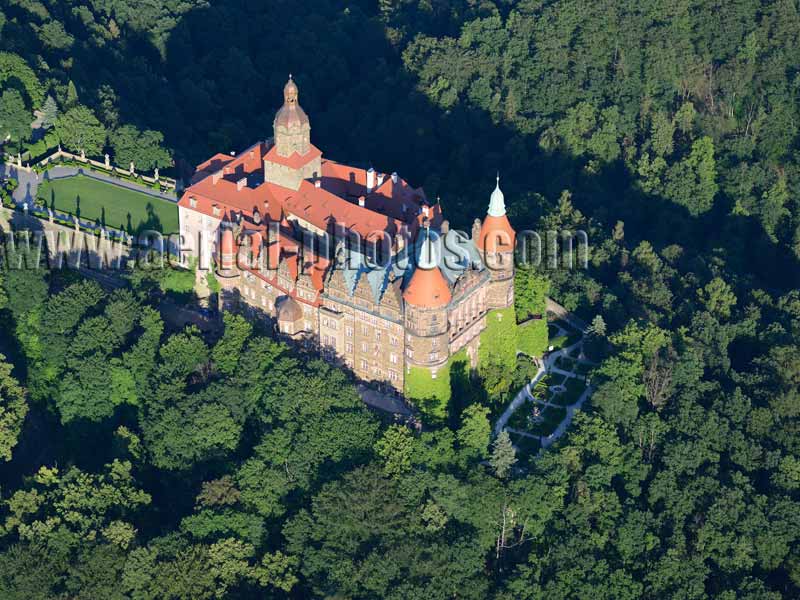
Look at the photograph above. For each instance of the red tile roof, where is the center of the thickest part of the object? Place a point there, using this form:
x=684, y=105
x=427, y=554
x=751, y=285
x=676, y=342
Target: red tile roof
x=496, y=235
x=428, y=289
x=295, y=161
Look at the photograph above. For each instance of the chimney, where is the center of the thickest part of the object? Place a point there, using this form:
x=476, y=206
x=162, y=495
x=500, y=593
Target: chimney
x=361, y=201
x=445, y=226
x=318, y=182
x=215, y=177
x=241, y=183
x=394, y=177
x=381, y=177
x=370, y=180
x=426, y=211
x=233, y=153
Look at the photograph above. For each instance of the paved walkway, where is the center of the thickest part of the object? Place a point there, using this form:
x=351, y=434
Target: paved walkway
x=28, y=183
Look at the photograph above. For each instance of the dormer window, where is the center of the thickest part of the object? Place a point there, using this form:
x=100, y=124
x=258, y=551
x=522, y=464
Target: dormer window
x=193, y=202
x=215, y=211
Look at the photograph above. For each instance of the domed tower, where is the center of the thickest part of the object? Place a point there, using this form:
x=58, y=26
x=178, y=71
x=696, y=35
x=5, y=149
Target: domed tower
x=293, y=158
x=290, y=317
x=496, y=244
x=291, y=126
x=427, y=297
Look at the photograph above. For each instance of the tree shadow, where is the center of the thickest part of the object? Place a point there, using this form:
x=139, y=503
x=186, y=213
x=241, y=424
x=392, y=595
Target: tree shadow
x=151, y=223
x=365, y=107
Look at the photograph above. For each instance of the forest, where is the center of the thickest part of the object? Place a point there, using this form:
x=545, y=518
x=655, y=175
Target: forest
x=141, y=461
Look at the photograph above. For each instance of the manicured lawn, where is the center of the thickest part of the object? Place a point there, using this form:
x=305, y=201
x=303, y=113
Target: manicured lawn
x=583, y=368
x=566, y=363
x=115, y=206
x=563, y=341
x=552, y=419
x=574, y=389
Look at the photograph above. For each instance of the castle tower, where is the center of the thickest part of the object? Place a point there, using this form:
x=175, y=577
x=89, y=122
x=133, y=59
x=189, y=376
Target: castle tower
x=496, y=244
x=291, y=126
x=426, y=299
x=227, y=268
x=293, y=158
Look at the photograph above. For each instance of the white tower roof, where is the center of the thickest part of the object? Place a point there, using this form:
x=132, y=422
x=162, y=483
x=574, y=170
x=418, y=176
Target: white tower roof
x=497, y=202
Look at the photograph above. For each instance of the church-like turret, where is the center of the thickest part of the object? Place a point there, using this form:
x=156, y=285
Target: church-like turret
x=291, y=126
x=426, y=298
x=293, y=158
x=496, y=245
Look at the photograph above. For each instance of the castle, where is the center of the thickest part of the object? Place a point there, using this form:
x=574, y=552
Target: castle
x=349, y=261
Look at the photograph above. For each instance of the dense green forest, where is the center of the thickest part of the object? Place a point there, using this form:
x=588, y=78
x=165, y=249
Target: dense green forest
x=145, y=462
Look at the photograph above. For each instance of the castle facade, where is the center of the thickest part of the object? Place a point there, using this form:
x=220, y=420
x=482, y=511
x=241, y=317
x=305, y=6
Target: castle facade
x=355, y=263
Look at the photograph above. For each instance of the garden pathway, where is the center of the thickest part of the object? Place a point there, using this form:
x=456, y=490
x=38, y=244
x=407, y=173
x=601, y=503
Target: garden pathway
x=526, y=395
x=27, y=183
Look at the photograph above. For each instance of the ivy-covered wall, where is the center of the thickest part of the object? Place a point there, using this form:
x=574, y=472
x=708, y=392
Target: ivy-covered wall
x=429, y=394
x=432, y=396
x=498, y=350
x=532, y=338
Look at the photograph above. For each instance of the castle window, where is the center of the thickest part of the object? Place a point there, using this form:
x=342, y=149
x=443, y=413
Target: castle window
x=434, y=356
x=409, y=353
x=348, y=348
x=193, y=202
x=378, y=334
x=364, y=347
x=348, y=331
x=364, y=365
x=393, y=340
x=324, y=321
x=393, y=375
x=435, y=343
x=308, y=325
x=393, y=358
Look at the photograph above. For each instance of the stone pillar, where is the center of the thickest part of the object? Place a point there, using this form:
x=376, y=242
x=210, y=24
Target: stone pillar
x=50, y=215
x=83, y=156
x=77, y=223
x=133, y=169
x=108, y=161
x=155, y=176
x=19, y=160
x=476, y=230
